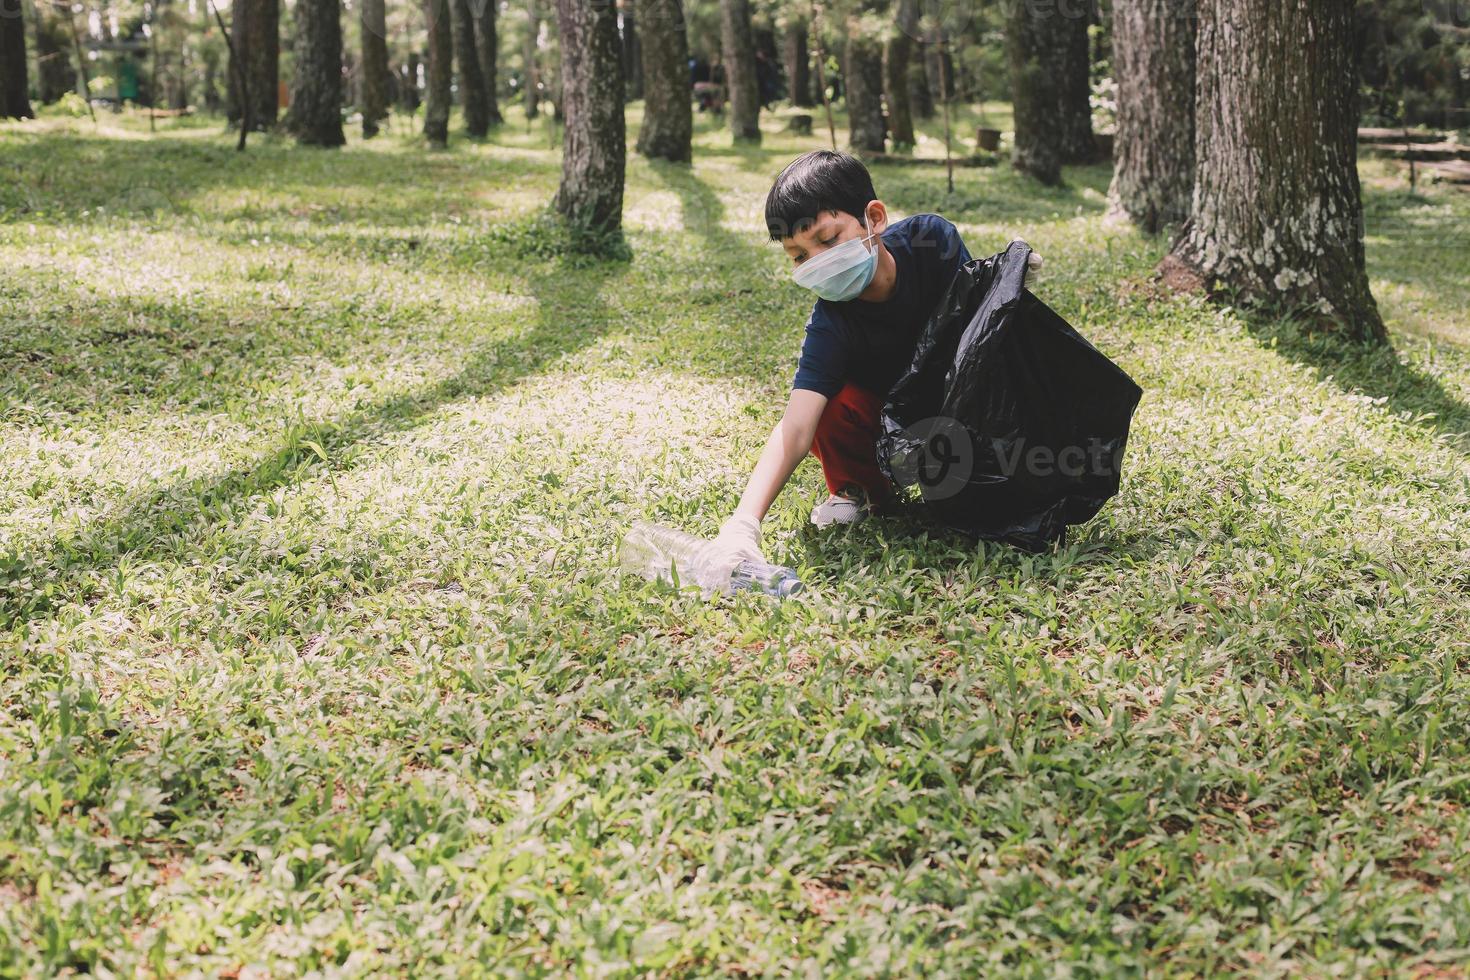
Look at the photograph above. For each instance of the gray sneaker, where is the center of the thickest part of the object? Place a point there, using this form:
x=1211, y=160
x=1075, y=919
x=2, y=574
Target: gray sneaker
x=848, y=507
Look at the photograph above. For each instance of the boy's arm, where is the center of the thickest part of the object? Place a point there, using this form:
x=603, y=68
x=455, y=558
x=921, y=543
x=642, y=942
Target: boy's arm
x=789, y=442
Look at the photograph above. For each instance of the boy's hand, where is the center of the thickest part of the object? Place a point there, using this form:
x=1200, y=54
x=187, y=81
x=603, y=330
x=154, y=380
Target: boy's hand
x=739, y=540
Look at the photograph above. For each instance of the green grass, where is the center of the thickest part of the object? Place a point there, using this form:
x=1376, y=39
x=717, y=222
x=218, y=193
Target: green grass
x=313, y=654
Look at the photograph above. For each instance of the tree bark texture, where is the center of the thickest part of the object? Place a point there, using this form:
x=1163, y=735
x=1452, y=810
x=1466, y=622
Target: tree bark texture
x=921, y=96
x=737, y=44
x=798, y=64
x=939, y=65
x=897, y=55
x=471, y=81
x=257, y=30
x=668, y=110
x=487, y=38
x=439, y=72
x=316, y=96
x=1153, y=61
x=374, y=66
x=15, y=95
x=1036, y=46
x=632, y=38
x=593, y=143
x=1074, y=112
x=863, y=76
x=532, y=74
x=1277, y=215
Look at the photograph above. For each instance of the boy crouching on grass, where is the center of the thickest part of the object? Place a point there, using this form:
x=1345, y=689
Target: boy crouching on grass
x=876, y=284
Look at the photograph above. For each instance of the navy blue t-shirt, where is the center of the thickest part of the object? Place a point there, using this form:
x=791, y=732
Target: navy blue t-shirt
x=871, y=344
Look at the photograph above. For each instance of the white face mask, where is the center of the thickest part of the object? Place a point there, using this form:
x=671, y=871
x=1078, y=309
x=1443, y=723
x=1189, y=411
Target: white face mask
x=841, y=272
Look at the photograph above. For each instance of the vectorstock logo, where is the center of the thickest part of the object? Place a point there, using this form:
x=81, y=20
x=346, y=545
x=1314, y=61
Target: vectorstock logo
x=944, y=454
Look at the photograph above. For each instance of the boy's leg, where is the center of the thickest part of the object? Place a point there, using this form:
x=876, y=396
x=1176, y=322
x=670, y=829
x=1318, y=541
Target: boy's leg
x=846, y=445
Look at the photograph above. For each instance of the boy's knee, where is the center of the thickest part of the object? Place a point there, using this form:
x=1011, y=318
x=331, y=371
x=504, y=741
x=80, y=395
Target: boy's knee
x=852, y=409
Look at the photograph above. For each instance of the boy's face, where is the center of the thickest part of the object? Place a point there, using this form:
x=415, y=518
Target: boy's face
x=832, y=228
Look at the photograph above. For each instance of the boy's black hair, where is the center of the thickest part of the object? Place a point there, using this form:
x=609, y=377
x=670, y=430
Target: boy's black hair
x=822, y=180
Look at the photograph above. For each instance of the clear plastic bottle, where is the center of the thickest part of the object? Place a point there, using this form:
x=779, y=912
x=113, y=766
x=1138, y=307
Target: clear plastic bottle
x=657, y=552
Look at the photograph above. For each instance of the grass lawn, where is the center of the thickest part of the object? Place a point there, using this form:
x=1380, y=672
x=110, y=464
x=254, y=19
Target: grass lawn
x=314, y=657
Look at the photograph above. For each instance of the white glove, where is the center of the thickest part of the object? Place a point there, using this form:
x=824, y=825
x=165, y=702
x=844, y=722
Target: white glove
x=1033, y=262
x=739, y=540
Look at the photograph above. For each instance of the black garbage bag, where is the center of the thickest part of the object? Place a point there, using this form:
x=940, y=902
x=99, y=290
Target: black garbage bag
x=1008, y=422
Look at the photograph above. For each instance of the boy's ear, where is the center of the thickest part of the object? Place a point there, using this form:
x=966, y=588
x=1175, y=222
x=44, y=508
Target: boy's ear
x=877, y=217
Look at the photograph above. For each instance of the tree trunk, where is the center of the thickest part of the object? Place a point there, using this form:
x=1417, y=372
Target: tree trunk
x=531, y=76
x=590, y=197
x=738, y=48
x=921, y=97
x=1074, y=113
x=1036, y=45
x=15, y=86
x=863, y=79
x=256, y=29
x=1153, y=61
x=896, y=59
x=668, y=113
x=488, y=41
x=410, y=96
x=264, y=62
x=937, y=65
x=374, y=66
x=55, y=73
x=1277, y=216
x=315, y=118
x=631, y=36
x=798, y=64
x=471, y=82
x=439, y=71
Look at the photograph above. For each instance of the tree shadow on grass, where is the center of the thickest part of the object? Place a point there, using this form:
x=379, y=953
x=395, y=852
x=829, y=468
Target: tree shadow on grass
x=85, y=350
x=1378, y=372
x=571, y=315
x=739, y=346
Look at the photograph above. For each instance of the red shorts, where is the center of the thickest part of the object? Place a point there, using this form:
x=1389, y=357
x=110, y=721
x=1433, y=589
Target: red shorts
x=846, y=444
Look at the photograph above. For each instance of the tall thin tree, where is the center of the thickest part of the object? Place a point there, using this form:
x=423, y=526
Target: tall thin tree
x=738, y=48
x=590, y=197
x=531, y=77
x=668, y=112
x=1153, y=62
x=488, y=41
x=798, y=63
x=897, y=55
x=440, y=71
x=1074, y=106
x=76, y=43
x=471, y=82
x=862, y=77
x=819, y=51
x=921, y=94
x=1277, y=214
x=257, y=45
x=15, y=85
x=374, y=66
x=1036, y=46
x=315, y=118
x=240, y=75
x=632, y=49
